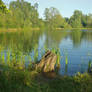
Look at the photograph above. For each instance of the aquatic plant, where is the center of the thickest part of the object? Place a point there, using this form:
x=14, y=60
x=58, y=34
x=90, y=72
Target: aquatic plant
x=8, y=57
x=81, y=77
x=3, y=58
x=66, y=56
x=36, y=53
x=0, y=56
x=54, y=50
x=23, y=59
x=90, y=66
x=30, y=61
x=66, y=60
x=17, y=59
x=57, y=52
x=13, y=59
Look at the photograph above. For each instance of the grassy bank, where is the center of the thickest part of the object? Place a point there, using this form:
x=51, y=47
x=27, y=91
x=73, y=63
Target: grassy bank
x=17, y=29
x=10, y=29
x=15, y=80
x=16, y=77
x=74, y=28
x=23, y=29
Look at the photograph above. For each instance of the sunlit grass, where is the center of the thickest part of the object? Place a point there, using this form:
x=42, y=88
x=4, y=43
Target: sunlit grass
x=3, y=58
x=27, y=78
x=8, y=57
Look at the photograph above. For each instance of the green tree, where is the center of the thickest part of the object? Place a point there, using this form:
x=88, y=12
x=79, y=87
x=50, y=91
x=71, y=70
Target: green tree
x=89, y=21
x=3, y=8
x=84, y=20
x=75, y=20
x=53, y=18
x=24, y=13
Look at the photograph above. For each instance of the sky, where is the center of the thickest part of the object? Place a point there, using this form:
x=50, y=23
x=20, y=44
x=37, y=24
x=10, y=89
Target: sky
x=66, y=7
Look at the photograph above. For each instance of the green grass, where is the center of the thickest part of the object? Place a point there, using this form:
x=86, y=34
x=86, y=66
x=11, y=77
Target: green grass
x=74, y=28
x=15, y=77
x=14, y=80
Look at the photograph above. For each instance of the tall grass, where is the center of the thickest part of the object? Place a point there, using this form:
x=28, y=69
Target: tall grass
x=8, y=58
x=66, y=61
x=3, y=58
x=66, y=57
x=36, y=53
x=90, y=66
x=57, y=52
x=20, y=60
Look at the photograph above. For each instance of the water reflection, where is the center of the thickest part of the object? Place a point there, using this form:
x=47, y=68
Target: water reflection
x=76, y=36
x=77, y=43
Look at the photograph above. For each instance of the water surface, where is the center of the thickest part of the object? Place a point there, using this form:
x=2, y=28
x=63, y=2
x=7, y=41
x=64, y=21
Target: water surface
x=75, y=44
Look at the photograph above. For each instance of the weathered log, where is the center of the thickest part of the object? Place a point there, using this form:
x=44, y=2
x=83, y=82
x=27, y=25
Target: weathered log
x=48, y=62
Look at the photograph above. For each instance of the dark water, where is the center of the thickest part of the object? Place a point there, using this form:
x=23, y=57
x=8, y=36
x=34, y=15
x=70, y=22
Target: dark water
x=75, y=44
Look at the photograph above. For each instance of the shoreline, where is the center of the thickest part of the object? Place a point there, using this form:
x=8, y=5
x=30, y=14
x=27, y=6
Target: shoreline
x=73, y=28
x=16, y=29
x=26, y=81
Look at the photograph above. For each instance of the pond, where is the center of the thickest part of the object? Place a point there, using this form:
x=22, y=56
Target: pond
x=76, y=45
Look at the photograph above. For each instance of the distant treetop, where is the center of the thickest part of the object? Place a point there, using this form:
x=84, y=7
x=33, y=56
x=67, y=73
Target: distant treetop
x=3, y=8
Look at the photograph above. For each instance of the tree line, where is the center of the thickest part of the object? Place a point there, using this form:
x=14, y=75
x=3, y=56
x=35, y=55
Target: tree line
x=22, y=14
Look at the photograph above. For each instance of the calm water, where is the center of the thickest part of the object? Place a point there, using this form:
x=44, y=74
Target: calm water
x=75, y=44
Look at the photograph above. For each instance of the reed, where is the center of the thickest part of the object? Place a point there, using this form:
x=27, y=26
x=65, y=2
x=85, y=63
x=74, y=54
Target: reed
x=57, y=52
x=30, y=61
x=90, y=66
x=8, y=57
x=18, y=60
x=66, y=60
x=36, y=53
x=23, y=59
x=66, y=56
x=3, y=58
x=13, y=59
x=0, y=56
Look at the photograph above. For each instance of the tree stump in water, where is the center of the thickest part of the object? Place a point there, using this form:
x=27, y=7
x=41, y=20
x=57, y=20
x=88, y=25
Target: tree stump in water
x=48, y=62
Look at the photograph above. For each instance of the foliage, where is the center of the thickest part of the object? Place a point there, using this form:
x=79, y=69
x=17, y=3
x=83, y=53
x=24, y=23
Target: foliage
x=53, y=18
x=22, y=14
x=75, y=20
x=22, y=81
x=79, y=20
x=3, y=8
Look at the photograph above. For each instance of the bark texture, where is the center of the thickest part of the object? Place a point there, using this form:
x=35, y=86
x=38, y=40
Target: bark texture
x=47, y=63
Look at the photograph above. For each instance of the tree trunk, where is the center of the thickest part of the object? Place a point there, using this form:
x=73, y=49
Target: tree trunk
x=48, y=62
